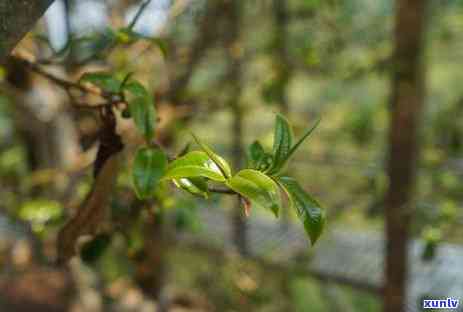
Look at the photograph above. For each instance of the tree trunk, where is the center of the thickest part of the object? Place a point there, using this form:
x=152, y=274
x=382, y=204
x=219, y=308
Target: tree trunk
x=16, y=19
x=150, y=262
x=406, y=108
x=234, y=53
x=282, y=58
x=282, y=63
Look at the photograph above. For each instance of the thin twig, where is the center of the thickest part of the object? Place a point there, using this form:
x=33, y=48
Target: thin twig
x=67, y=85
x=138, y=14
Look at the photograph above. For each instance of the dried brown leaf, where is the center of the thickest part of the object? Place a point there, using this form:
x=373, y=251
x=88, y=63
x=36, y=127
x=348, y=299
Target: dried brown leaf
x=93, y=211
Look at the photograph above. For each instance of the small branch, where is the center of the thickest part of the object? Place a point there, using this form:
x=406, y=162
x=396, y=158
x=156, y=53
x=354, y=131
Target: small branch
x=67, y=85
x=138, y=14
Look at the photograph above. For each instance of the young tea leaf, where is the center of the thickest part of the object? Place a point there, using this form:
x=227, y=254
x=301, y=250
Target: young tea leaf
x=194, y=171
x=265, y=162
x=282, y=142
x=302, y=139
x=195, y=186
x=192, y=165
x=219, y=161
x=144, y=115
x=258, y=188
x=254, y=155
x=149, y=166
x=141, y=107
x=308, y=209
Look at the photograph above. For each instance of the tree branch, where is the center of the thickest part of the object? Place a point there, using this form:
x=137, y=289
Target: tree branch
x=138, y=14
x=16, y=19
x=69, y=86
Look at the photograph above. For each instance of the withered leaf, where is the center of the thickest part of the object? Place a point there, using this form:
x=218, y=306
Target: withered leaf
x=94, y=210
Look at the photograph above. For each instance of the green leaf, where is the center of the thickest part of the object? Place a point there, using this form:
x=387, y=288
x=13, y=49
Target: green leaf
x=194, y=164
x=258, y=158
x=149, y=166
x=94, y=249
x=194, y=171
x=144, y=115
x=265, y=162
x=141, y=107
x=255, y=154
x=308, y=209
x=106, y=81
x=282, y=142
x=135, y=88
x=258, y=188
x=194, y=185
x=219, y=161
x=305, y=136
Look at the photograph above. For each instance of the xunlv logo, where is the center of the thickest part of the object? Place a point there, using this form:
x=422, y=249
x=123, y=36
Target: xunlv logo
x=448, y=303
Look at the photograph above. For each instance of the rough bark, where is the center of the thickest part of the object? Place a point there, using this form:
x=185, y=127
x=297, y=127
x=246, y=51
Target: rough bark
x=406, y=109
x=17, y=17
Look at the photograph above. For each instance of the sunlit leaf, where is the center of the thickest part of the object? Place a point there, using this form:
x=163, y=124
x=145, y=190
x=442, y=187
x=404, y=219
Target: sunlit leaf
x=308, y=209
x=194, y=164
x=219, y=161
x=194, y=185
x=194, y=171
x=258, y=188
x=106, y=81
x=40, y=211
x=149, y=166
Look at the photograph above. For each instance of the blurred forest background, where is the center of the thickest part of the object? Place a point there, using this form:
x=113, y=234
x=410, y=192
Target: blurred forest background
x=223, y=69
